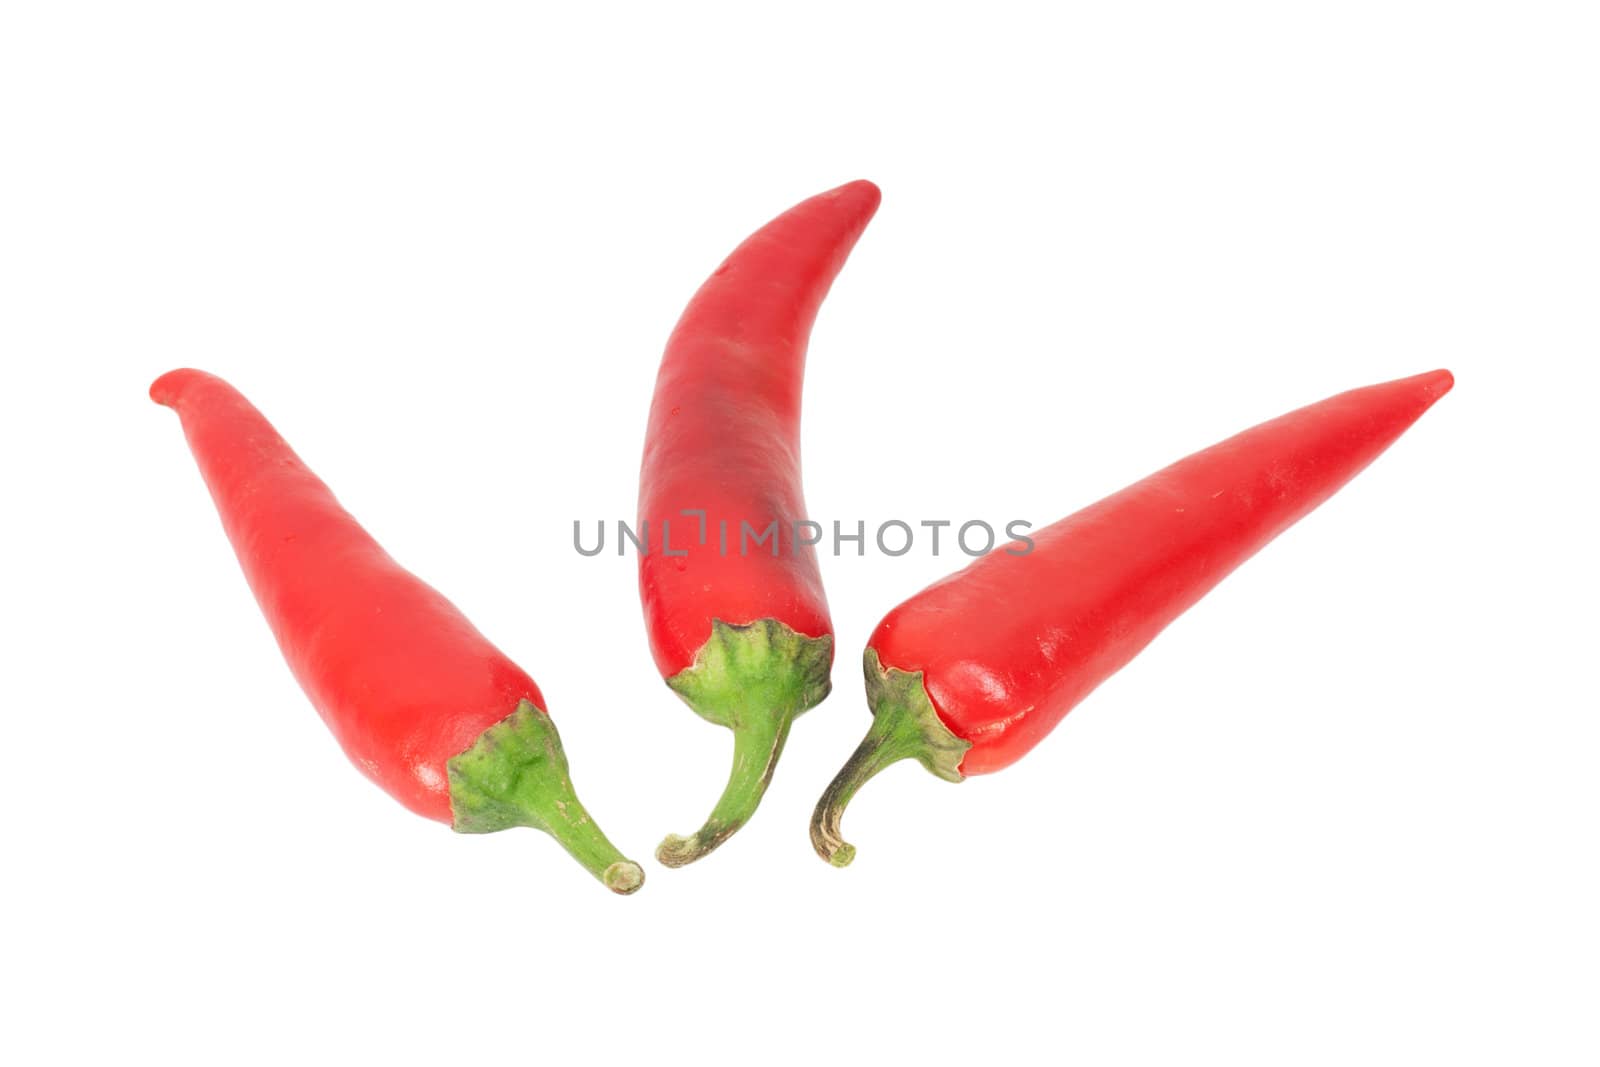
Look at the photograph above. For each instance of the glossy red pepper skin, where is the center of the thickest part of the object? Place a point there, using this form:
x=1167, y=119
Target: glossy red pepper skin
x=724, y=439
x=402, y=679
x=724, y=432
x=1003, y=649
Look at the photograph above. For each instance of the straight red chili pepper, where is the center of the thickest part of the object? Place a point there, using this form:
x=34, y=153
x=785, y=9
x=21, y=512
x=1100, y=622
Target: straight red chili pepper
x=420, y=701
x=732, y=594
x=972, y=672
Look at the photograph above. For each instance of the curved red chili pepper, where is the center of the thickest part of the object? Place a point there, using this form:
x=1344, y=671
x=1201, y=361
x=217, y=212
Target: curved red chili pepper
x=972, y=672
x=738, y=626
x=420, y=701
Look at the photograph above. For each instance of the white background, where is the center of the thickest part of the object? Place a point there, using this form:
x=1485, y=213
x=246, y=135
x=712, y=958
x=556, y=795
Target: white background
x=1343, y=811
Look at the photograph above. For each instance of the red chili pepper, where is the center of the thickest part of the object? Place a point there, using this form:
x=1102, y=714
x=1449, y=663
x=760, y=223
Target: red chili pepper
x=421, y=701
x=731, y=591
x=972, y=672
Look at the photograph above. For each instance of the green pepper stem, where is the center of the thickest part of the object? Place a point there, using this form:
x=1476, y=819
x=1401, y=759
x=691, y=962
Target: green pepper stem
x=516, y=774
x=753, y=678
x=905, y=725
x=876, y=751
x=568, y=821
x=757, y=743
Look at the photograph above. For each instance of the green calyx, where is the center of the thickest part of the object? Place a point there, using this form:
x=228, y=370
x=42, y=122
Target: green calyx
x=905, y=725
x=754, y=679
x=516, y=774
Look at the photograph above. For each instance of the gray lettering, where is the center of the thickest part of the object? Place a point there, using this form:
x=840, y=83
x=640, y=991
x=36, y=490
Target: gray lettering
x=1011, y=532
x=577, y=542
x=746, y=531
x=807, y=542
x=961, y=537
x=702, y=513
x=666, y=540
x=859, y=537
x=641, y=543
x=903, y=548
